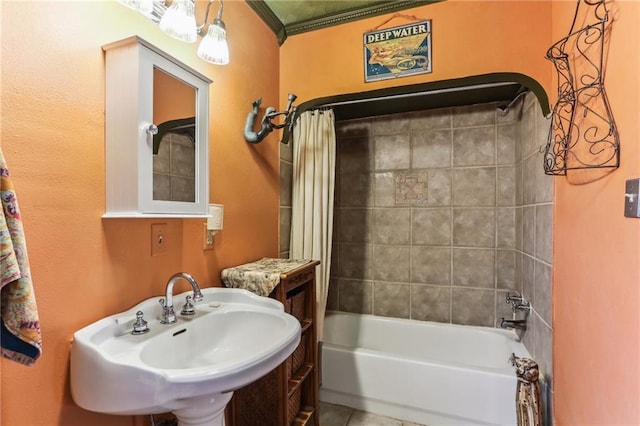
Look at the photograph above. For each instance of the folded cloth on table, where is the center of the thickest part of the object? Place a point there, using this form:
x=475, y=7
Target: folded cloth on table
x=262, y=276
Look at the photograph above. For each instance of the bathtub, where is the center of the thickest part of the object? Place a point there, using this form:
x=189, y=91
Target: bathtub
x=424, y=372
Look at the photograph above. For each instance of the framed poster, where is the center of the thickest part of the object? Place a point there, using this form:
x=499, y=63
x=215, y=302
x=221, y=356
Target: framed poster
x=398, y=51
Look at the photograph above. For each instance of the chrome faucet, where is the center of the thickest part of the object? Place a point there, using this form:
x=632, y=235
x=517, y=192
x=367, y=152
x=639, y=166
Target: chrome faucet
x=516, y=324
x=168, y=313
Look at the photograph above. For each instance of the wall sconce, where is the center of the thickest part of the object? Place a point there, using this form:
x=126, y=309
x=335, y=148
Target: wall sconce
x=179, y=21
x=267, y=125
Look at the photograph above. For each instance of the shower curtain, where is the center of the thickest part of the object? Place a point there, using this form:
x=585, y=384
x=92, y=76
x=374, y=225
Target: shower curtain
x=314, y=159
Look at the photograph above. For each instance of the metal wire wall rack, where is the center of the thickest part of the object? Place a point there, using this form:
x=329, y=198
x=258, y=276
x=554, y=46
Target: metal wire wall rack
x=583, y=133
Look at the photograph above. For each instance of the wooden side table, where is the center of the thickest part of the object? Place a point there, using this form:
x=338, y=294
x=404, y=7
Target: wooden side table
x=288, y=395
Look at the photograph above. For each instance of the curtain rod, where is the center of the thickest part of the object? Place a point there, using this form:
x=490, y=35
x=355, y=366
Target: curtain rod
x=412, y=94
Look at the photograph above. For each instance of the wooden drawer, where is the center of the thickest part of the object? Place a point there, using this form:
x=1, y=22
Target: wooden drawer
x=301, y=405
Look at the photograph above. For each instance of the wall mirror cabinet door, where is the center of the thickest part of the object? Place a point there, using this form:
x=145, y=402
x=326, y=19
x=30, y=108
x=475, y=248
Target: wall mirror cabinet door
x=157, y=133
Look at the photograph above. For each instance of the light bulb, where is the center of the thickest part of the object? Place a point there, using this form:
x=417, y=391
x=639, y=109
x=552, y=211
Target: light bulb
x=213, y=47
x=179, y=21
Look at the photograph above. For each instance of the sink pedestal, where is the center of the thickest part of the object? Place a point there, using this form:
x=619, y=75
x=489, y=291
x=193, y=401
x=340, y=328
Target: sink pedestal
x=204, y=411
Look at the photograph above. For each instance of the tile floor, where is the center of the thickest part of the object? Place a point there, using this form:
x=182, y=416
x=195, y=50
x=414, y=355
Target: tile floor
x=338, y=415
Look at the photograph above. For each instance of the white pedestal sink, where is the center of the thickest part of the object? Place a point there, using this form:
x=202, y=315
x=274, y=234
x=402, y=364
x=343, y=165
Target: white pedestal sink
x=191, y=367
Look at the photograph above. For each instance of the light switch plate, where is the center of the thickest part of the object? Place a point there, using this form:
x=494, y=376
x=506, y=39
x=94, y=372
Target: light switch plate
x=631, y=195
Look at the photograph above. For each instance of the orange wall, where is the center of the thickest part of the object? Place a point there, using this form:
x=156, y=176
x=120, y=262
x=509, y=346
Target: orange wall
x=53, y=138
x=469, y=38
x=596, y=320
x=83, y=267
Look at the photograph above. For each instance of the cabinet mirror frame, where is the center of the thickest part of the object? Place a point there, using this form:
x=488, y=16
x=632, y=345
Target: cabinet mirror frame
x=130, y=65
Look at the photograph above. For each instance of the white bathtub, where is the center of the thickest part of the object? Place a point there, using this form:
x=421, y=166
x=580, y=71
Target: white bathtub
x=425, y=372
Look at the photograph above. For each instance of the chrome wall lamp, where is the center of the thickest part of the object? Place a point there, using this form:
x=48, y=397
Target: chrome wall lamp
x=178, y=20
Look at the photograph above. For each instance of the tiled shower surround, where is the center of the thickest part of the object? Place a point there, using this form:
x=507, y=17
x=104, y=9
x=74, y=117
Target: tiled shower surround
x=438, y=214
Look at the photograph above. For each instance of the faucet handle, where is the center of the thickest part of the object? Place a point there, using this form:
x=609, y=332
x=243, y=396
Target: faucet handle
x=518, y=302
x=197, y=296
x=513, y=298
x=140, y=326
x=188, y=308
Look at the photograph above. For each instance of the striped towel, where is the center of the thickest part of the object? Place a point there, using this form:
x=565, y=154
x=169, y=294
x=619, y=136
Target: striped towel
x=20, y=336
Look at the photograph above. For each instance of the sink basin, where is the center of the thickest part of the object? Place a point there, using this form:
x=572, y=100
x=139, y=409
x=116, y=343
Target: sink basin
x=190, y=367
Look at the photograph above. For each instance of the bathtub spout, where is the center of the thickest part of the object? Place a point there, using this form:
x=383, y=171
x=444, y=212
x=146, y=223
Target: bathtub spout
x=513, y=324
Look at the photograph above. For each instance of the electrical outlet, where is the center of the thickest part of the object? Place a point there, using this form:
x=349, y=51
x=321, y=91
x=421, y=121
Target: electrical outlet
x=159, y=243
x=207, y=238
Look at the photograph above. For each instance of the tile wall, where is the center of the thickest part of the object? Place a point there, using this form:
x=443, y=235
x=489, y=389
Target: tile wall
x=438, y=214
x=426, y=214
x=534, y=239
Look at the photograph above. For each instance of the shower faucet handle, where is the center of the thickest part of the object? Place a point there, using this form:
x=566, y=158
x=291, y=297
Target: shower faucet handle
x=517, y=302
x=513, y=298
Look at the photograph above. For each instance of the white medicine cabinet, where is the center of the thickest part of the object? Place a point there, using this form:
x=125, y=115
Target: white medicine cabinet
x=157, y=133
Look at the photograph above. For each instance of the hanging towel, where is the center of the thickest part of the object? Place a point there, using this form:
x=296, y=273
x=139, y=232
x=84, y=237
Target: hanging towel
x=20, y=336
x=260, y=277
x=528, y=398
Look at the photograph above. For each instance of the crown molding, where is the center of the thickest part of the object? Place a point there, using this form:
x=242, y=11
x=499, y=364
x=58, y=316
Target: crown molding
x=282, y=31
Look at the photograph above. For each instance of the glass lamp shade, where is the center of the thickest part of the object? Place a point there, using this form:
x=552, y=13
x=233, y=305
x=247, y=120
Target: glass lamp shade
x=129, y=3
x=179, y=21
x=143, y=6
x=213, y=47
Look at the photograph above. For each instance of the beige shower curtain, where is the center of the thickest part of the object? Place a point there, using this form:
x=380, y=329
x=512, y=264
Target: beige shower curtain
x=314, y=159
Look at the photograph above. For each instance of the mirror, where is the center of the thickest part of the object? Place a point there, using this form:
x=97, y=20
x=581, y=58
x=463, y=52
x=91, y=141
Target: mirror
x=157, y=133
x=174, y=153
